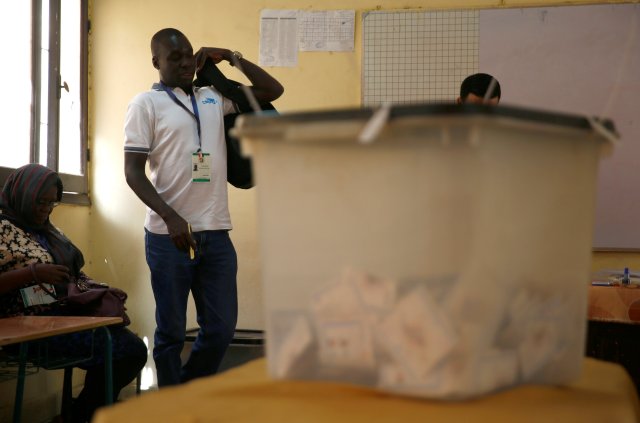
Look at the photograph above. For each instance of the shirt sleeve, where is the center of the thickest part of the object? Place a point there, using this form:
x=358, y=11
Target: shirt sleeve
x=6, y=237
x=17, y=248
x=228, y=106
x=138, y=127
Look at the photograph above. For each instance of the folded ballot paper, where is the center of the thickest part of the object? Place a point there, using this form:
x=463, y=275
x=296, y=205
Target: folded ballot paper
x=438, y=338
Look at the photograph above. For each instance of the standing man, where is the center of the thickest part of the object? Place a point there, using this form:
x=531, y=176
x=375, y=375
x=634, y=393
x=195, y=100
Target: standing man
x=473, y=90
x=179, y=130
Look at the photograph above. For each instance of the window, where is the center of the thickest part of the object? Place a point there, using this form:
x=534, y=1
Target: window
x=47, y=87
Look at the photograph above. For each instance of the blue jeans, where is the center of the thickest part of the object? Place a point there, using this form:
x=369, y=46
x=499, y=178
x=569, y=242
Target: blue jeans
x=211, y=278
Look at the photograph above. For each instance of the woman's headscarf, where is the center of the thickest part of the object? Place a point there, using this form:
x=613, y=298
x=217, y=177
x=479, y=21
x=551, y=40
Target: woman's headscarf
x=22, y=189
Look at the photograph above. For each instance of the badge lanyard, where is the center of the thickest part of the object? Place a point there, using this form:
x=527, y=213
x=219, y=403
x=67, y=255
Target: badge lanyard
x=201, y=162
x=194, y=104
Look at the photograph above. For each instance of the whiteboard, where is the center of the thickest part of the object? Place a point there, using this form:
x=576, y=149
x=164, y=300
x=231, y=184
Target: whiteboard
x=582, y=60
x=575, y=59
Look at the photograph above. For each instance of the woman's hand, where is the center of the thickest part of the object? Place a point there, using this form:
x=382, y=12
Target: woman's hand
x=34, y=273
x=51, y=273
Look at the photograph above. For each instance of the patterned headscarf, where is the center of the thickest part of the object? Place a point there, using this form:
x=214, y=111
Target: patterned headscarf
x=18, y=204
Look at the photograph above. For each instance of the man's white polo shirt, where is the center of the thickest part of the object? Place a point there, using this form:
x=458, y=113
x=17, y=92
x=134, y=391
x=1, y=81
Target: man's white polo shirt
x=155, y=125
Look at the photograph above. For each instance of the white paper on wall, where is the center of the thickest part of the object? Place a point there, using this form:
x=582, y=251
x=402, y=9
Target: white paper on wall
x=278, y=38
x=327, y=30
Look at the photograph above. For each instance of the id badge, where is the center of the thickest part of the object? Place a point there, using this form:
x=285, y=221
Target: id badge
x=201, y=167
x=35, y=295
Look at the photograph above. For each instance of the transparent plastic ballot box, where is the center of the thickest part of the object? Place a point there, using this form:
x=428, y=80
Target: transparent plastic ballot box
x=438, y=251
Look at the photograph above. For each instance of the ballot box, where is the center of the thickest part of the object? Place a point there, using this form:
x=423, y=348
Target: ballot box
x=438, y=251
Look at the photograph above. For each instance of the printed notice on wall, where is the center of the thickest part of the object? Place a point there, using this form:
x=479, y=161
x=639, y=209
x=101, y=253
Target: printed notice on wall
x=278, y=38
x=328, y=30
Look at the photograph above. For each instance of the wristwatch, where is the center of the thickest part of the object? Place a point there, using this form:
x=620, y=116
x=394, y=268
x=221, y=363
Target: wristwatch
x=237, y=56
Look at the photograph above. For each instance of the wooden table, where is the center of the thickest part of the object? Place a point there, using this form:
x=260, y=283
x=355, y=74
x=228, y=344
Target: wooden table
x=614, y=326
x=618, y=303
x=25, y=329
x=246, y=394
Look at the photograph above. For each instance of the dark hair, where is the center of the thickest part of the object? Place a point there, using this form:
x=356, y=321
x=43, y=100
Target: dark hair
x=163, y=35
x=478, y=84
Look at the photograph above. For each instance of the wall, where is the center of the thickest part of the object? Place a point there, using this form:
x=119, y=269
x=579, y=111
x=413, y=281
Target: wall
x=110, y=232
x=121, y=31
x=121, y=67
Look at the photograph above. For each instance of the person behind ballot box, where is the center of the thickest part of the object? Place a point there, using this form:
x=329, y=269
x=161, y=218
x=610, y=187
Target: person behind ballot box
x=34, y=253
x=473, y=90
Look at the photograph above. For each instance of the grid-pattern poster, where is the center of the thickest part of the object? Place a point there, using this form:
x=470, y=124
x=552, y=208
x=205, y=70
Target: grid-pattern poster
x=417, y=56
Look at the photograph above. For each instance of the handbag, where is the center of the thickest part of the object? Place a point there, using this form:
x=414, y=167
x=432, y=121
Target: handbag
x=86, y=297
x=239, y=168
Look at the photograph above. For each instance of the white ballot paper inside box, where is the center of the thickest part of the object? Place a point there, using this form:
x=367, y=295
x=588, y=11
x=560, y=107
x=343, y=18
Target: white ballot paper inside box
x=418, y=338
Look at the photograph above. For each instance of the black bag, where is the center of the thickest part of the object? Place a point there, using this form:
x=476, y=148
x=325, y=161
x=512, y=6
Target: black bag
x=239, y=169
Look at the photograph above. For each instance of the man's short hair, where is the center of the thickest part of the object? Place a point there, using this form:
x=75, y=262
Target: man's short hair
x=163, y=35
x=478, y=84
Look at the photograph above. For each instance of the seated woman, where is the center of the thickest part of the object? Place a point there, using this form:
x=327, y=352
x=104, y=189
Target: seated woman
x=34, y=252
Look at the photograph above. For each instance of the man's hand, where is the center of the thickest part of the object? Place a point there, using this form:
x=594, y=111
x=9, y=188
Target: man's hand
x=265, y=88
x=215, y=54
x=180, y=233
x=134, y=169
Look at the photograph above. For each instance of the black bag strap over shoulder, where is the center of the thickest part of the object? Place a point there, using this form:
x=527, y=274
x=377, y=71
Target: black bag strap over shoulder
x=239, y=169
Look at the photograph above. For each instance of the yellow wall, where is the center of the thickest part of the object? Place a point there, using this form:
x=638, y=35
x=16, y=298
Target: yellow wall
x=110, y=231
x=121, y=67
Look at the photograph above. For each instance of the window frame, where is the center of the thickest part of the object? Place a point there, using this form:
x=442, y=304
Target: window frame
x=76, y=186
